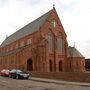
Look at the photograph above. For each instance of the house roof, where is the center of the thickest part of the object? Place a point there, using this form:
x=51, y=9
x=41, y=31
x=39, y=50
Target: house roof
x=73, y=52
x=26, y=30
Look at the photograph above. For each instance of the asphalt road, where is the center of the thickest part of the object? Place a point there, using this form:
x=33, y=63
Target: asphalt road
x=13, y=84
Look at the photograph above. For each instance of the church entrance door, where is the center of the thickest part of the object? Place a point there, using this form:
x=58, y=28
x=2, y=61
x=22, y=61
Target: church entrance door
x=29, y=65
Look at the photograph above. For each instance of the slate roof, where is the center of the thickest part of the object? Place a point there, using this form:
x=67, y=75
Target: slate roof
x=73, y=52
x=26, y=30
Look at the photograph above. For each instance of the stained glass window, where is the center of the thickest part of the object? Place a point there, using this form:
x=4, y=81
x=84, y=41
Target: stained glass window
x=50, y=42
x=59, y=42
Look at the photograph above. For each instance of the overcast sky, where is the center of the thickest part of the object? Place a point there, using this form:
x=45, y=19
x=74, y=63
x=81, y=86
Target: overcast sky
x=74, y=15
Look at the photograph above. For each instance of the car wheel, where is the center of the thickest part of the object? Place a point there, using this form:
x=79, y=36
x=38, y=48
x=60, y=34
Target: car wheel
x=10, y=76
x=27, y=78
x=13, y=76
x=17, y=77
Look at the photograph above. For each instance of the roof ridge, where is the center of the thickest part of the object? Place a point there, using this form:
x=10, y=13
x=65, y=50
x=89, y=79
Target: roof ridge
x=29, y=23
x=27, y=29
x=73, y=52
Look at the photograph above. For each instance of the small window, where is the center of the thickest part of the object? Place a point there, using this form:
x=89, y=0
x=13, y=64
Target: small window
x=7, y=49
x=11, y=48
x=70, y=64
x=22, y=43
x=16, y=46
x=77, y=64
x=29, y=41
x=54, y=23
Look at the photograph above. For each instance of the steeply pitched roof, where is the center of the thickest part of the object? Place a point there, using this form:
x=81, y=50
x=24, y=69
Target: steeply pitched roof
x=73, y=52
x=26, y=30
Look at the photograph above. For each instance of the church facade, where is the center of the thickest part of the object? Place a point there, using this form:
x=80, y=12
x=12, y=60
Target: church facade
x=41, y=46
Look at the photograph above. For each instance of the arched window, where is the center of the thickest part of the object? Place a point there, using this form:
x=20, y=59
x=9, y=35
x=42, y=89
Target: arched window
x=50, y=41
x=50, y=65
x=77, y=64
x=54, y=23
x=60, y=66
x=70, y=64
x=29, y=41
x=22, y=44
x=16, y=46
x=59, y=42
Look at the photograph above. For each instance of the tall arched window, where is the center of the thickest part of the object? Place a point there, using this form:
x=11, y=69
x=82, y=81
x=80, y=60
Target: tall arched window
x=50, y=41
x=59, y=42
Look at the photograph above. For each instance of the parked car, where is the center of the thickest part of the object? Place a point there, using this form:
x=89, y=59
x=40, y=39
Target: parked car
x=18, y=74
x=4, y=72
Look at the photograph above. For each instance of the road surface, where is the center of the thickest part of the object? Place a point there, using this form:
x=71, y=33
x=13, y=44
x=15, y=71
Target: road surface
x=14, y=84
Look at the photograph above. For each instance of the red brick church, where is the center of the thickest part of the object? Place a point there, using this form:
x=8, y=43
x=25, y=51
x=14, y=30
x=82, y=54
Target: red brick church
x=41, y=46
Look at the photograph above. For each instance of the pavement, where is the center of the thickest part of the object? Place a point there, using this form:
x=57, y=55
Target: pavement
x=59, y=81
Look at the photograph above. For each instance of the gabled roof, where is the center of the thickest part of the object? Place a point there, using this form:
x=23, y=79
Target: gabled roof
x=73, y=52
x=26, y=30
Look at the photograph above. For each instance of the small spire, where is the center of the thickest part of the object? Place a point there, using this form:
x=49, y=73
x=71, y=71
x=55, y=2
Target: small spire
x=53, y=5
x=6, y=36
x=74, y=44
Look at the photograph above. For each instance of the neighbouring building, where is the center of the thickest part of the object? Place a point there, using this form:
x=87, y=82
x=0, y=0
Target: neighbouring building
x=76, y=61
x=87, y=64
x=41, y=46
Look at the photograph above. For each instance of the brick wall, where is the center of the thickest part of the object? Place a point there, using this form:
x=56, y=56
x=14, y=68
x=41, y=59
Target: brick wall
x=67, y=76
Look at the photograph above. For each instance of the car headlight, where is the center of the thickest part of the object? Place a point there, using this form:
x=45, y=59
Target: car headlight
x=21, y=74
